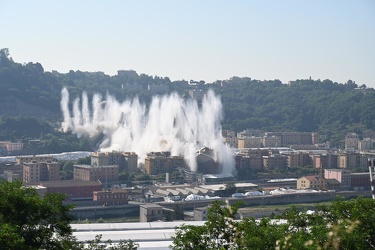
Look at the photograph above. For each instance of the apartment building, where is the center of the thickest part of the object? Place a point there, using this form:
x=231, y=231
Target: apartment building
x=249, y=159
x=161, y=162
x=250, y=132
x=35, y=171
x=11, y=146
x=352, y=160
x=93, y=173
x=274, y=161
x=230, y=138
x=366, y=144
x=324, y=160
x=250, y=142
x=298, y=159
x=37, y=158
x=351, y=141
x=271, y=141
x=296, y=138
x=127, y=161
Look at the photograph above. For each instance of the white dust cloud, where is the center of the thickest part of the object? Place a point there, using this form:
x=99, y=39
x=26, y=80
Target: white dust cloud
x=170, y=123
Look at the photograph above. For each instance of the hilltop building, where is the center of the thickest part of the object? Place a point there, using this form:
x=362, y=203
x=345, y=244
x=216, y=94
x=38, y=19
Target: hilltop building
x=10, y=147
x=197, y=94
x=351, y=141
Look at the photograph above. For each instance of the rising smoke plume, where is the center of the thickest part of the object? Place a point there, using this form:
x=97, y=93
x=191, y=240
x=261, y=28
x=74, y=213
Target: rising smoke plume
x=170, y=124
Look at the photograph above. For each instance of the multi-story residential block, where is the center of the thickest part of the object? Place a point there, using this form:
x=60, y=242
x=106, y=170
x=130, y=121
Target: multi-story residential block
x=298, y=159
x=35, y=171
x=366, y=144
x=315, y=137
x=11, y=146
x=296, y=138
x=271, y=141
x=127, y=161
x=115, y=196
x=230, y=138
x=352, y=160
x=30, y=158
x=162, y=162
x=369, y=134
x=274, y=161
x=351, y=141
x=249, y=159
x=250, y=132
x=104, y=174
x=254, y=162
x=250, y=142
x=342, y=175
x=324, y=160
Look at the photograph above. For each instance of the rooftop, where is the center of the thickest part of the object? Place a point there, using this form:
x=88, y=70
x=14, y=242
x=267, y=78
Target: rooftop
x=91, y=166
x=66, y=183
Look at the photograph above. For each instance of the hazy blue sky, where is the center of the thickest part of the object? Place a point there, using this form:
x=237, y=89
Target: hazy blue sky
x=200, y=40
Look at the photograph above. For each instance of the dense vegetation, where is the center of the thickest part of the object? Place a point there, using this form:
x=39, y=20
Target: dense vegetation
x=30, y=222
x=341, y=225
x=325, y=106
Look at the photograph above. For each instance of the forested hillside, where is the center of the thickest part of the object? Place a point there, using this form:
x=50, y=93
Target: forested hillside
x=324, y=106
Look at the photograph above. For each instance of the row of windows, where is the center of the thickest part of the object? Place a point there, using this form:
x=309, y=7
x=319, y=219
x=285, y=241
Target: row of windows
x=111, y=196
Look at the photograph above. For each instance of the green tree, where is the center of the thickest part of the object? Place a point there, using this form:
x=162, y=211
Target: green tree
x=30, y=222
x=341, y=225
x=98, y=244
x=218, y=232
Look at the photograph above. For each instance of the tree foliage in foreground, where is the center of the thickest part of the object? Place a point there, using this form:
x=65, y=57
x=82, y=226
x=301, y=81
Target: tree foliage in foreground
x=30, y=222
x=341, y=225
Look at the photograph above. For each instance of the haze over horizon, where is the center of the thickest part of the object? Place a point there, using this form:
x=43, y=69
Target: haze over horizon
x=198, y=40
